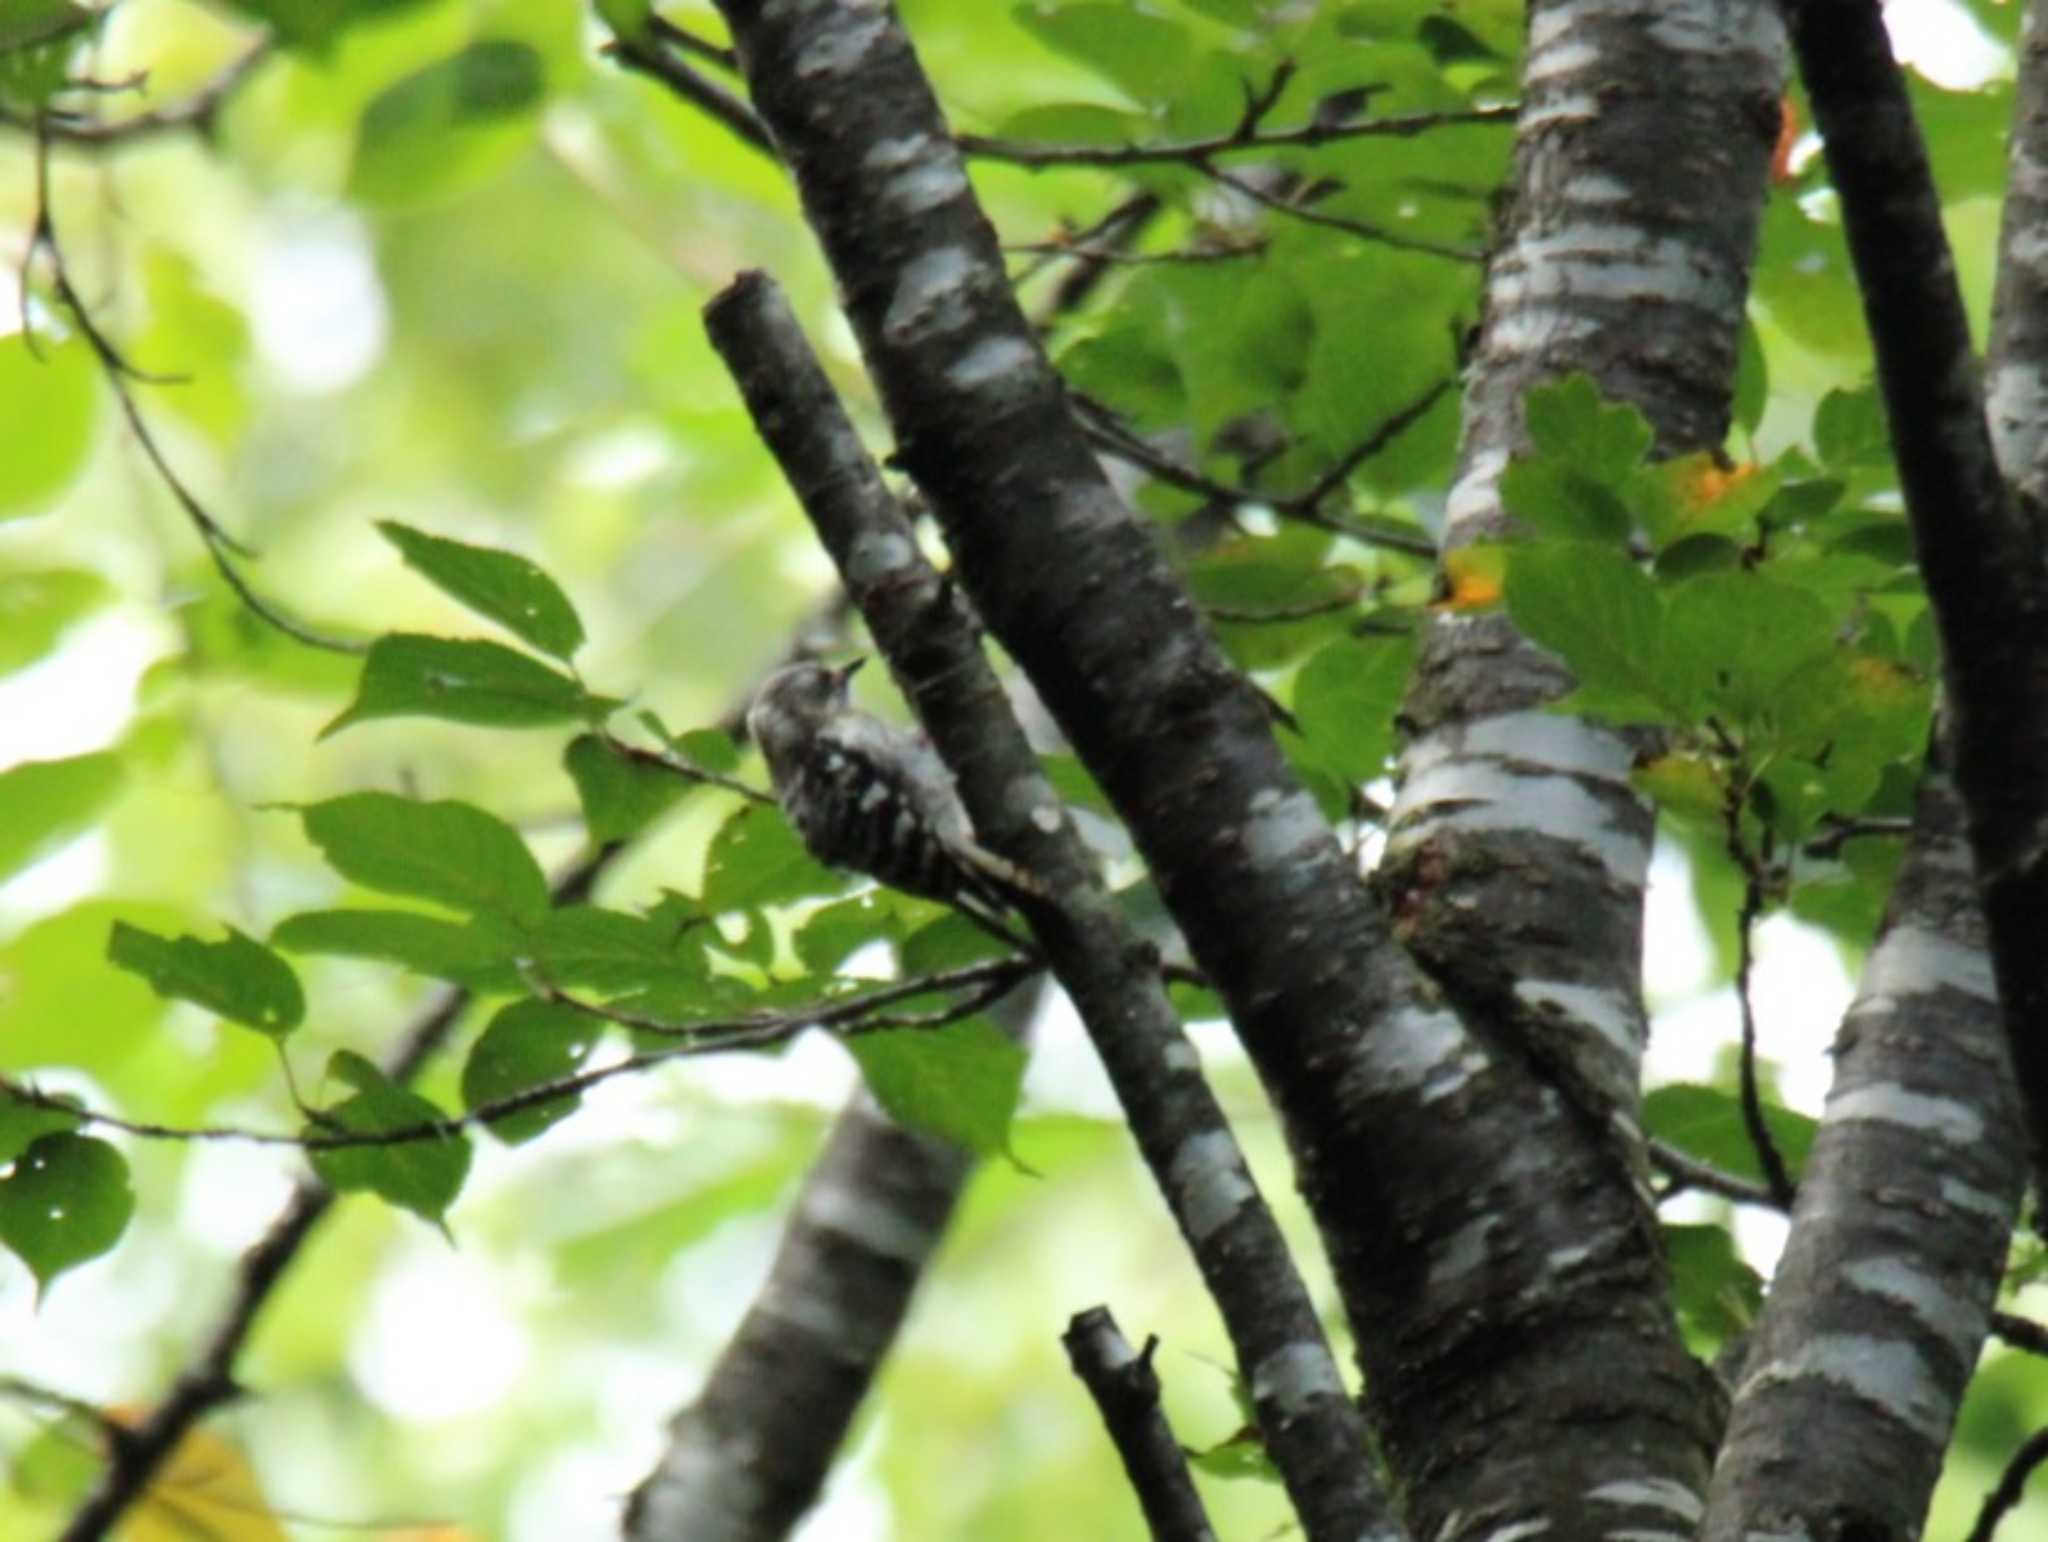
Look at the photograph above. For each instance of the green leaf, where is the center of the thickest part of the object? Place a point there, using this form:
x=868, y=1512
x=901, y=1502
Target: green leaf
x=198, y=338
x=449, y=126
x=528, y=1044
x=1849, y=430
x=1706, y=1122
x=22, y=1124
x=314, y=24
x=1594, y=606
x=627, y=18
x=66, y=1201
x=832, y=933
x=613, y=952
x=1150, y=58
x=1345, y=699
x=1555, y=499
x=949, y=942
x=621, y=796
x=756, y=859
x=1748, y=634
x=37, y=604
x=1568, y=421
x=422, y=1175
x=1715, y=1293
x=37, y=41
x=452, y=853
x=46, y=802
x=51, y=408
x=498, y=585
x=480, y=954
x=959, y=1082
x=237, y=978
x=464, y=680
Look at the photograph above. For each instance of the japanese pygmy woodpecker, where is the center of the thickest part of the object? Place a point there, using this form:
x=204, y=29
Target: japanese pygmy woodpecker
x=869, y=796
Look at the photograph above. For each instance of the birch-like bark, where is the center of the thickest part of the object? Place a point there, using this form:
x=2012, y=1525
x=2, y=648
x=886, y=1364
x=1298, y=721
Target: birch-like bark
x=750, y=1453
x=1880, y=1304
x=1518, y=850
x=1980, y=557
x=1489, y=1248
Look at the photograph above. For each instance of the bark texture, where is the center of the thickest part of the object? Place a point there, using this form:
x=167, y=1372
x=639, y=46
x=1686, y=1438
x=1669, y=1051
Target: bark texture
x=1880, y=1304
x=1490, y=1249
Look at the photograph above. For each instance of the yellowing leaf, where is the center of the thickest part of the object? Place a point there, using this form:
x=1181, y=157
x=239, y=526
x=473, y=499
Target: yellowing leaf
x=207, y=1489
x=1477, y=578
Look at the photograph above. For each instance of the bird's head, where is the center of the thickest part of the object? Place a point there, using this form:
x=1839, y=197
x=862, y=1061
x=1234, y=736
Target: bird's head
x=795, y=700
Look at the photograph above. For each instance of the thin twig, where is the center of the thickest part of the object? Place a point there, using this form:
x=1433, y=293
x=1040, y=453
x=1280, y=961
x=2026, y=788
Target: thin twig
x=752, y=1031
x=688, y=42
x=221, y=546
x=1309, y=215
x=2012, y=1482
x=701, y=92
x=1083, y=252
x=1193, y=152
x=1110, y=436
x=1776, y=1177
x=197, y=112
x=1690, y=1172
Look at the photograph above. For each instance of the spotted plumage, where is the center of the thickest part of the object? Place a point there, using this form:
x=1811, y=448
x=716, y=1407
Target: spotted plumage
x=869, y=796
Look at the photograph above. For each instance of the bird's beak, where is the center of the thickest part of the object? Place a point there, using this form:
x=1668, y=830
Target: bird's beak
x=845, y=673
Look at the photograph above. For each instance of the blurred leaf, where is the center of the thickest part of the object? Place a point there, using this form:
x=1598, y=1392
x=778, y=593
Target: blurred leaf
x=46, y=802
x=450, y=852
x=51, y=408
x=23, y=1124
x=237, y=978
x=464, y=681
x=206, y=1489
x=528, y=1044
x=422, y=1175
x=198, y=340
x=448, y=126
x=37, y=41
x=67, y=1200
x=37, y=604
x=959, y=1082
x=498, y=585
x=621, y=796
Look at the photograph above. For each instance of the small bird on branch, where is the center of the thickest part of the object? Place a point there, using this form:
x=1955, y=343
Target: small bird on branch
x=872, y=797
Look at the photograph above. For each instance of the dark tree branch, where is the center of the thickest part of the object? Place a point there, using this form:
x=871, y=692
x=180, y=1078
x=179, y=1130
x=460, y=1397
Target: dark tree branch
x=1126, y=1393
x=1979, y=556
x=1313, y=1431
x=2011, y=1485
x=700, y=91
